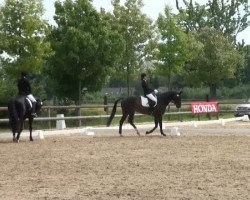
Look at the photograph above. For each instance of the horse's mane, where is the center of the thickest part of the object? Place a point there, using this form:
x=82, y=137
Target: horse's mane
x=166, y=95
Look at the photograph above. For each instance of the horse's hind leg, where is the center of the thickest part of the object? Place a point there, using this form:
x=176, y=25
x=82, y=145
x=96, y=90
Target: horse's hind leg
x=20, y=129
x=160, y=123
x=14, y=128
x=15, y=133
x=124, y=116
x=131, y=121
x=156, y=125
x=30, y=128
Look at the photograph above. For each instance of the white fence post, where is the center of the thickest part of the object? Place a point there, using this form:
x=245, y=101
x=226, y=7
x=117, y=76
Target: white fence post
x=60, y=124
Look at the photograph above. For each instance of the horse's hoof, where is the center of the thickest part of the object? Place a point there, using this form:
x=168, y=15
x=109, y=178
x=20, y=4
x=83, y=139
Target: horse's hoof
x=138, y=134
x=147, y=132
x=163, y=134
x=15, y=140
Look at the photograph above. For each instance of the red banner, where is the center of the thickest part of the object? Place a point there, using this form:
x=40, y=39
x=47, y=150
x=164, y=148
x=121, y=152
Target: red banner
x=204, y=107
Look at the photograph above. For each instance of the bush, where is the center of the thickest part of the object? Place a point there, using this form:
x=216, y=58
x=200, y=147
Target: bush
x=7, y=90
x=238, y=92
x=195, y=93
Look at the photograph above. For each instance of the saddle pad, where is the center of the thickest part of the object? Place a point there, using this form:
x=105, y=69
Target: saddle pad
x=144, y=101
x=29, y=101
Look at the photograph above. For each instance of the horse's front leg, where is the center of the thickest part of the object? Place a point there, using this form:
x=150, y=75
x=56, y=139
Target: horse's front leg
x=160, y=123
x=30, y=128
x=156, y=125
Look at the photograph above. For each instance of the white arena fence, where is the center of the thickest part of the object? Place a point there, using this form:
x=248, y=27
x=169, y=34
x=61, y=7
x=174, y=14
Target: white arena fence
x=171, y=128
x=108, y=108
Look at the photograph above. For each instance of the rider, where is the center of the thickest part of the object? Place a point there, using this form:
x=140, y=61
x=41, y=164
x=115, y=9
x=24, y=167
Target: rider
x=148, y=93
x=25, y=89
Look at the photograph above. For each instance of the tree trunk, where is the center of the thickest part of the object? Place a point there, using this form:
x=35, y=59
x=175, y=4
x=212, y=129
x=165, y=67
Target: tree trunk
x=79, y=92
x=128, y=79
x=213, y=90
x=169, y=79
x=79, y=100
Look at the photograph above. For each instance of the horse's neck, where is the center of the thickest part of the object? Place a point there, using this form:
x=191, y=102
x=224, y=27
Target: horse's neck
x=166, y=98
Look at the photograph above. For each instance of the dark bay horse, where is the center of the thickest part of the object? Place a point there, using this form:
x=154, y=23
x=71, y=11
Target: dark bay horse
x=19, y=109
x=132, y=104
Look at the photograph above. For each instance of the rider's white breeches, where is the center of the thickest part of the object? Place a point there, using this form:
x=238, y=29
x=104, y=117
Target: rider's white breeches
x=31, y=97
x=152, y=97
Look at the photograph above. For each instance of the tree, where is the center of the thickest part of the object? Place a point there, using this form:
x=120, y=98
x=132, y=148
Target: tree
x=22, y=34
x=7, y=88
x=247, y=64
x=85, y=49
x=223, y=20
x=217, y=60
x=136, y=30
x=229, y=17
x=175, y=46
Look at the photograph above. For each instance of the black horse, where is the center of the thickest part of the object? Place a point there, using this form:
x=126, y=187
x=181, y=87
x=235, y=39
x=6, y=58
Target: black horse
x=132, y=104
x=19, y=109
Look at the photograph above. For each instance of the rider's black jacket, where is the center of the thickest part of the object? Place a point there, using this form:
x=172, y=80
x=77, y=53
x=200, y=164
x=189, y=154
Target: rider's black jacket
x=145, y=87
x=24, y=86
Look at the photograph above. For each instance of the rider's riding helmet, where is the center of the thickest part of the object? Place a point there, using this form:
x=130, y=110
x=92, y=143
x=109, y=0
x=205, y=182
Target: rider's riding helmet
x=143, y=75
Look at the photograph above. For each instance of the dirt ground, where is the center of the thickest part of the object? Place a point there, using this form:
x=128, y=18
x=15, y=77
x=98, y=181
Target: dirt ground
x=110, y=167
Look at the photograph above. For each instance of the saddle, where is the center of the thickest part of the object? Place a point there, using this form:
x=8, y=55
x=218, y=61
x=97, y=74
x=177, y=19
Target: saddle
x=144, y=102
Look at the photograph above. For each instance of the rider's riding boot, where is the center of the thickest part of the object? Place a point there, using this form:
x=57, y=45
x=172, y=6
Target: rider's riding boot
x=151, y=107
x=33, y=110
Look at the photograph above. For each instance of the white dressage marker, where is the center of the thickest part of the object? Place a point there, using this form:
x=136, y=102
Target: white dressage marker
x=39, y=134
x=88, y=131
x=222, y=122
x=175, y=131
x=194, y=123
x=245, y=118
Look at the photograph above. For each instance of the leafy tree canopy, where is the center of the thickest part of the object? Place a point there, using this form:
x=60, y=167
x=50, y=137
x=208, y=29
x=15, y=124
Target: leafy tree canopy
x=217, y=60
x=136, y=30
x=175, y=46
x=22, y=34
x=85, y=48
x=229, y=17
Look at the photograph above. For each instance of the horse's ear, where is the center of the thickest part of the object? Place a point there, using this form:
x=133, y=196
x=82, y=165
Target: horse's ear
x=43, y=100
x=180, y=92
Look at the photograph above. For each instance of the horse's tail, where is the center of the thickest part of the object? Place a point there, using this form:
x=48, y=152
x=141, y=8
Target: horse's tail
x=13, y=116
x=113, y=112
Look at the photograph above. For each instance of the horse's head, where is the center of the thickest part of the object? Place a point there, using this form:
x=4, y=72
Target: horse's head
x=176, y=99
x=39, y=104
